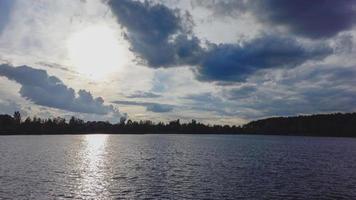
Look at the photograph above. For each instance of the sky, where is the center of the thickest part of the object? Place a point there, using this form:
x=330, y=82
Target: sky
x=216, y=61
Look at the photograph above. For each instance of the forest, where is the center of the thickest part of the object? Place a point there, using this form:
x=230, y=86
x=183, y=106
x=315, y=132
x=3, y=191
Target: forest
x=15, y=125
x=333, y=125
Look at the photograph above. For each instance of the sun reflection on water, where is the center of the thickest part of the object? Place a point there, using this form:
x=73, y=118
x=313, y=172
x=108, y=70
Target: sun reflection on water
x=95, y=144
x=94, y=171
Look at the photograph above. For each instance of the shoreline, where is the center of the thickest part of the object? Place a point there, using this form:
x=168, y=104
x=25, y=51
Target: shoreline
x=217, y=134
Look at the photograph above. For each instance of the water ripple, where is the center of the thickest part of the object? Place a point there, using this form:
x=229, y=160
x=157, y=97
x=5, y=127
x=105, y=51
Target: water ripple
x=176, y=167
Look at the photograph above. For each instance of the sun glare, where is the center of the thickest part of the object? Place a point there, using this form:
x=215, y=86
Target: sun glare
x=96, y=52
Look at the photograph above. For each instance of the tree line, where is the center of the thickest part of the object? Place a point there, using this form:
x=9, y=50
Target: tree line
x=333, y=125
x=336, y=124
x=15, y=125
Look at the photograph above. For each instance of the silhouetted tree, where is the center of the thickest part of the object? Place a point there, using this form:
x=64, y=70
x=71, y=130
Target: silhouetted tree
x=17, y=117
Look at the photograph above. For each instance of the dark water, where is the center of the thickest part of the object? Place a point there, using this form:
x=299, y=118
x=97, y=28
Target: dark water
x=177, y=167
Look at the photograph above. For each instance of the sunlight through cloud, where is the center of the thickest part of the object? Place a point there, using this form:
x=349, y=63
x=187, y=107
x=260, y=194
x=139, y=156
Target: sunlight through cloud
x=96, y=51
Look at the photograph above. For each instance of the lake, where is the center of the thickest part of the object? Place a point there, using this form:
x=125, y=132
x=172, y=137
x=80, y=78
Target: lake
x=176, y=167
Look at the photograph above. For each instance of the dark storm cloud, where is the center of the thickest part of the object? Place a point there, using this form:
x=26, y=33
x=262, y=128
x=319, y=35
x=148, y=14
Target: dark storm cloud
x=142, y=94
x=309, y=18
x=160, y=36
x=45, y=90
x=153, y=107
x=314, y=19
x=5, y=11
x=229, y=62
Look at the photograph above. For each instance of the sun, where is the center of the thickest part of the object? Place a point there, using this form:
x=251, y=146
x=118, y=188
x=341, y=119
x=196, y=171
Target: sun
x=96, y=51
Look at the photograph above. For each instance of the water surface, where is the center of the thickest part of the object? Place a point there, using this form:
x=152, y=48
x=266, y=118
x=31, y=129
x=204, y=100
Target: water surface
x=176, y=167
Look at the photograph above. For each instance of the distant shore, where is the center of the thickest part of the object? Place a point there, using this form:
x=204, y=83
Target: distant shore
x=330, y=125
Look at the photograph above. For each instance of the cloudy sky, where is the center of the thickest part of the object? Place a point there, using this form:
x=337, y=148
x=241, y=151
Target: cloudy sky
x=217, y=61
